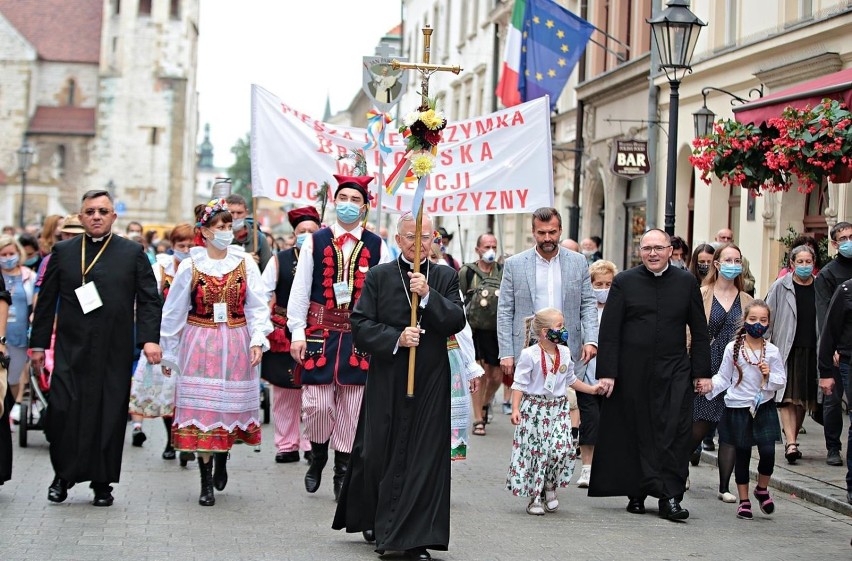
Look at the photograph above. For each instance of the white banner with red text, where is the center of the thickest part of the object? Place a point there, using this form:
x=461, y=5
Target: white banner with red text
x=495, y=164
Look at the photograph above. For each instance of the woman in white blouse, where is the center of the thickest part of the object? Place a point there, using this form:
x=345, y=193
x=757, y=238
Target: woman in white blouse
x=213, y=332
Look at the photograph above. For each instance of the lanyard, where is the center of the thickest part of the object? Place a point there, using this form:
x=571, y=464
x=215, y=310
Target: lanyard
x=85, y=270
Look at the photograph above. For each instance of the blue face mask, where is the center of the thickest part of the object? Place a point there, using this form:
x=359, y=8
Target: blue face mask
x=804, y=271
x=300, y=239
x=180, y=255
x=845, y=249
x=31, y=261
x=348, y=213
x=730, y=272
x=9, y=262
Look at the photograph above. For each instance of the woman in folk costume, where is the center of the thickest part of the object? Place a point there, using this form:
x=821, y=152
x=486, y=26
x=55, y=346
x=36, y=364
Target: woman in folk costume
x=214, y=329
x=150, y=396
x=278, y=366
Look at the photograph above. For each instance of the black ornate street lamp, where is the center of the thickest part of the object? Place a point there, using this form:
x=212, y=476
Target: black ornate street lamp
x=704, y=118
x=675, y=31
x=25, y=160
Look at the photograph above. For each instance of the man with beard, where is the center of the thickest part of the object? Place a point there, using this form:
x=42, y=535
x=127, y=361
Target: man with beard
x=547, y=275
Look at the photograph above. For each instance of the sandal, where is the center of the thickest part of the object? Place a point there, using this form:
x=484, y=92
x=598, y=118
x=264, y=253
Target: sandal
x=764, y=500
x=792, y=453
x=486, y=413
x=744, y=510
x=479, y=428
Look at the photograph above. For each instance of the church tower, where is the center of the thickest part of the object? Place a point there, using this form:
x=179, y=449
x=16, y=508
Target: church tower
x=147, y=107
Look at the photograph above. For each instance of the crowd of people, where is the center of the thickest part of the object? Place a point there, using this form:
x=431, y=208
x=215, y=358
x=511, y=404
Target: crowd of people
x=387, y=367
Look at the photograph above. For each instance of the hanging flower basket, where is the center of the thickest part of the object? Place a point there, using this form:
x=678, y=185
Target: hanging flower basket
x=811, y=143
x=736, y=154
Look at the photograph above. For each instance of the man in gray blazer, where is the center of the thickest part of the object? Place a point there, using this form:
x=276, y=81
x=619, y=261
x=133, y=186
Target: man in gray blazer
x=546, y=276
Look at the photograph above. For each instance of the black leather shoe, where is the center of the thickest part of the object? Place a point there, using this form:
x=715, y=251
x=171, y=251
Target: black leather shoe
x=287, y=457
x=103, y=495
x=369, y=536
x=169, y=453
x=670, y=509
x=58, y=490
x=636, y=505
x=849, y=497
x=207, y=496
x=138, y=437
x=418, y=554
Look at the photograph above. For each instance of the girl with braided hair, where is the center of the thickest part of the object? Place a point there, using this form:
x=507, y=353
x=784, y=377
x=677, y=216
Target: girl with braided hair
x=752, y=371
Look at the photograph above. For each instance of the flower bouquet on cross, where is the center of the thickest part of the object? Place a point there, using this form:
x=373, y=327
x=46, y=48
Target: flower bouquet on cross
x=422, y=132
x=813, y=143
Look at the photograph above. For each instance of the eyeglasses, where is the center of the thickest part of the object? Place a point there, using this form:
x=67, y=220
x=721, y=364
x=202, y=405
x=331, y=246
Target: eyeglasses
x=731, y=261
x=101, y=211
x=654, y=248
x=411, y=237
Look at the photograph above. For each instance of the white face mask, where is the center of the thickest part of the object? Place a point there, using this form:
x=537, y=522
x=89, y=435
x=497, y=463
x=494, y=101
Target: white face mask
x=601, y=294
x=239, y=223
x=222, y=239
x=489, y=256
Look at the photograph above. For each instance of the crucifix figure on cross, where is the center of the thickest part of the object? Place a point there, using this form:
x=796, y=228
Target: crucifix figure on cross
x=426, y=70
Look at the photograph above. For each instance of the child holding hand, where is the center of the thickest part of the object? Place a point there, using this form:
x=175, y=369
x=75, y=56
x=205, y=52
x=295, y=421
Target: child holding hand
x=752, y=370
x=543, y=451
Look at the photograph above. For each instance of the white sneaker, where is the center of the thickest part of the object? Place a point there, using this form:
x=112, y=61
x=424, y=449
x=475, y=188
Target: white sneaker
x=727, y=497
x=15, y=413
x=585, y=475
x=551, y=503
x=36, y=413
x=535, y=507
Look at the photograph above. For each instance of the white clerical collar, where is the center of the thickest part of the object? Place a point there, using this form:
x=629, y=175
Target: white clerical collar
x=660, y=273
x=98, y=240
x=411, y=263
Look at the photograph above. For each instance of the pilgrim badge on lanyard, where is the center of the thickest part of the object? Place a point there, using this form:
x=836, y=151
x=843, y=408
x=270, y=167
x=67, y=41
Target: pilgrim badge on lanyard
x=220, y=312
x=755, y=404
x=550, y=382
x=341, y=293
x=89, y=297
x=13, y=315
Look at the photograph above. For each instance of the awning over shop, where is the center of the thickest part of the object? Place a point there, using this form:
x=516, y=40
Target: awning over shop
x=835, y=86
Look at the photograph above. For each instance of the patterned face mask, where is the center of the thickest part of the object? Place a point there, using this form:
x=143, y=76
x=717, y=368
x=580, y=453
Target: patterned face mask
x=558, y=336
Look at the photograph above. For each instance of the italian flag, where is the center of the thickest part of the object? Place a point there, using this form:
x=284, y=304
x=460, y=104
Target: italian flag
x=507, y=89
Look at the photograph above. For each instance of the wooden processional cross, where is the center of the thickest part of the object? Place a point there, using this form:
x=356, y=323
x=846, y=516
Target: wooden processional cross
x=426, y=70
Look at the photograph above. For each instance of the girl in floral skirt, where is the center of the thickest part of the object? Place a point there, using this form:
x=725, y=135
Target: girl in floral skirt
x=543, y=451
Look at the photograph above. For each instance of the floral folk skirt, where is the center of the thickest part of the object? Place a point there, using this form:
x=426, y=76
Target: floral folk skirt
x=217, y=393
x=460, y=404
x=543, y=453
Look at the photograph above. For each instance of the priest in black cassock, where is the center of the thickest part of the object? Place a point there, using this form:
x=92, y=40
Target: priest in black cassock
x=650, y=377
x=397, y=488
x=94, y=286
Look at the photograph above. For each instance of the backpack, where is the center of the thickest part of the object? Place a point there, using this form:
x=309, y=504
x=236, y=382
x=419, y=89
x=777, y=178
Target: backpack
x=481, y=298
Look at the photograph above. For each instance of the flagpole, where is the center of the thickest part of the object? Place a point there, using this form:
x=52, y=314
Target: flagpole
x=381, y=183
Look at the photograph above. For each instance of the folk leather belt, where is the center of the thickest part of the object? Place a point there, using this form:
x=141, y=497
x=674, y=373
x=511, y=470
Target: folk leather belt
x=336, y=319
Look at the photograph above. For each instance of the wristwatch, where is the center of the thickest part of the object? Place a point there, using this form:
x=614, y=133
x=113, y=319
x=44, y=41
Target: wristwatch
x=2, y=340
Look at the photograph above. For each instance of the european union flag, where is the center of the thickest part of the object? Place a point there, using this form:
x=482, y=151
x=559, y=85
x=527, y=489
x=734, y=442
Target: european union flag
x=553, y=41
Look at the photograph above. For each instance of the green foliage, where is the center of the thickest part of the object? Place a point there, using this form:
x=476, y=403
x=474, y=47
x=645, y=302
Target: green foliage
x=240, y=170
x=792, y=234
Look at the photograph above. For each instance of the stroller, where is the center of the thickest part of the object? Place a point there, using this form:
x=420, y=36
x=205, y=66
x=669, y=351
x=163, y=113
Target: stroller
x=33, y=403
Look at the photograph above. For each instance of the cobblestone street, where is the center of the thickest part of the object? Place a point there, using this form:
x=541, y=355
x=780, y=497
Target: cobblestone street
x=265, y=514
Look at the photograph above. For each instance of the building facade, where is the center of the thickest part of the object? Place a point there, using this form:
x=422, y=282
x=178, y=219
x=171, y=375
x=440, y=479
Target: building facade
x=105, y=92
